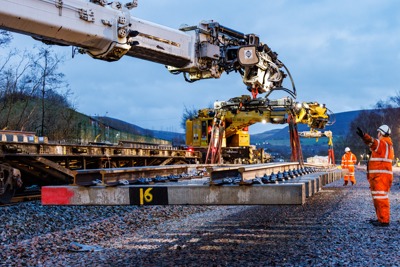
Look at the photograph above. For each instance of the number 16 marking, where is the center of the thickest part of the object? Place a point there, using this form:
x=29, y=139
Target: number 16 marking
x=146, y=196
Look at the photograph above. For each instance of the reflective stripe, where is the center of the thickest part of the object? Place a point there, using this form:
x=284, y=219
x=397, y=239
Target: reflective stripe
x=380, y=159
x=380, y=197
x=372, y=142
x=380, y=171
x=387, y=151
x=379, y=192
x=384, y=193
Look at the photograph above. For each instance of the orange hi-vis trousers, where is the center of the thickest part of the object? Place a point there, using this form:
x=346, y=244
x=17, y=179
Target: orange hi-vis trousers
x=380, y=174
x=380, y=187
x=348, y=161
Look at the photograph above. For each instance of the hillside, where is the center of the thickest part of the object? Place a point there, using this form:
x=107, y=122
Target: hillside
x=124, y=126
x=277, y=137
x=176, y=138
x=340, y=128
x=277, y=142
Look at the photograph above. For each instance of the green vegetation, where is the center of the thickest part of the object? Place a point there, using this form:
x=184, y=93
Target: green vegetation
x=35, y=97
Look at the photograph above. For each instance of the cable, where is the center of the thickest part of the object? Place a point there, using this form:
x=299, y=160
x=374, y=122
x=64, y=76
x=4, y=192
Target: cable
x=282, y=89
x=331, y=115
x=291, y=78
x=188, y=79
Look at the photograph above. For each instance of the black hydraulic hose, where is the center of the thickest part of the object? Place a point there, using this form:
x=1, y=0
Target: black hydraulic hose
x=282, y=89
x=291, y=79
x=332, y=117
x=187, y=79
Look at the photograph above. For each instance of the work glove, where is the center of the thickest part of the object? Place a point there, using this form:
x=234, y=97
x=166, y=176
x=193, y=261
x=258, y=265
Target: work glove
x=360, y=132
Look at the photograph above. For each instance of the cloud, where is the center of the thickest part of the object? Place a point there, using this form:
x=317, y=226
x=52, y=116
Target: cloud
x=341, y=53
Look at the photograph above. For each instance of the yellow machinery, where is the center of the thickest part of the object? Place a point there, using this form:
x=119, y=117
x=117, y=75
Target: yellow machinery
x=223, y=131
x=318, y=134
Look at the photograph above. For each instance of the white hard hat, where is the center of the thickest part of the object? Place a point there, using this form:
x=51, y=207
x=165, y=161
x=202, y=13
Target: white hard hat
x=347, y=149
x=384, y=130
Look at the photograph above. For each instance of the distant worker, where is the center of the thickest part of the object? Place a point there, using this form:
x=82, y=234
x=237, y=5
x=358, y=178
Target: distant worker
x=379, y=172
x=348, y=162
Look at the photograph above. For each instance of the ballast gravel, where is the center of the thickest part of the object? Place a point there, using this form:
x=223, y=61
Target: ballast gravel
x=331, y=229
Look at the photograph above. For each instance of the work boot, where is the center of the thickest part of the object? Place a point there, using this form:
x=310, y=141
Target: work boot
x=379, y=224
x=353, y=183
x=345, y=183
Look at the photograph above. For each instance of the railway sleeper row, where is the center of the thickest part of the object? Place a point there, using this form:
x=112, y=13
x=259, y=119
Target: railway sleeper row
x=138, y=175
x=247, y=187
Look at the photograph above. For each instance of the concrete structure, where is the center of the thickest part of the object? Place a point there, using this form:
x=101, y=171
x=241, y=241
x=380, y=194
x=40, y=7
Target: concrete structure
x=289, y=192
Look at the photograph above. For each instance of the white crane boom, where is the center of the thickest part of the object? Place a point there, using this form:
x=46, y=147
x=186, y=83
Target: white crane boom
x=107, y=31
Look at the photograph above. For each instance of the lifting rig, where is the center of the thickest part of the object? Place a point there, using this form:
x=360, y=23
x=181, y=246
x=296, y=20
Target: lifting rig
x=224, y=129
x=319, y=134
x=106, y=30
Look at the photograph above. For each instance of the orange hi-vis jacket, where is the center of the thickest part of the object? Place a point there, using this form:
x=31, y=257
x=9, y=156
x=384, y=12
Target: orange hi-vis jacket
x=348, y=162
x=380, y=174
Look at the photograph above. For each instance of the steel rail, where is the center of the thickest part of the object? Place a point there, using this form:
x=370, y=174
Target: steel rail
x=268, y=171
x=216, y=173
x=137, y=175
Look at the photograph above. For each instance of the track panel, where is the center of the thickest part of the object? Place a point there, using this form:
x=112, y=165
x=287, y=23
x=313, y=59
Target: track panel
x=285, y=193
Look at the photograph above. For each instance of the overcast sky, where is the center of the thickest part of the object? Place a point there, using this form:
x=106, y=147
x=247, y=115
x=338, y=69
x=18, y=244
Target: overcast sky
x=343, y=53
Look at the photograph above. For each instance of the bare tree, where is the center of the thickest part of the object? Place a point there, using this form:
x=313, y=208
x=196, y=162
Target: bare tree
x=33, y=93
x=46, y=64
x=188, y=114
x=12, y=73
x=5, y=38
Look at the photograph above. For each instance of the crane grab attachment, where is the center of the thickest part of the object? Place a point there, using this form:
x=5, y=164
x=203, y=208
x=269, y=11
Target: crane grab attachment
x=318, y=134
x=226, y=125
x=247, y=111
x=107, y=31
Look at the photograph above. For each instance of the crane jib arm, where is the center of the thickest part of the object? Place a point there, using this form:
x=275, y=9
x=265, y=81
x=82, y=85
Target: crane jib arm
x=106, y=30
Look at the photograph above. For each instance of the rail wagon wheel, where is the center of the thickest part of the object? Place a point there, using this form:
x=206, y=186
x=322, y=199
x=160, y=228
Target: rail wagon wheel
x=8, y=194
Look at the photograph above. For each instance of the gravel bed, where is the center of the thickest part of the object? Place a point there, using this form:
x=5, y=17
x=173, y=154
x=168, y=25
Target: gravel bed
x=331, y=229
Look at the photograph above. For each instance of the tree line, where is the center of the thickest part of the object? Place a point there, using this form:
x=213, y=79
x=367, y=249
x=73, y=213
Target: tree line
x=34, y=94
x=384, y=112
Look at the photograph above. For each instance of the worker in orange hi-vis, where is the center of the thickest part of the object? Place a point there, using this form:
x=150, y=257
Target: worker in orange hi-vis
x=348, y=162
x=380, y=174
